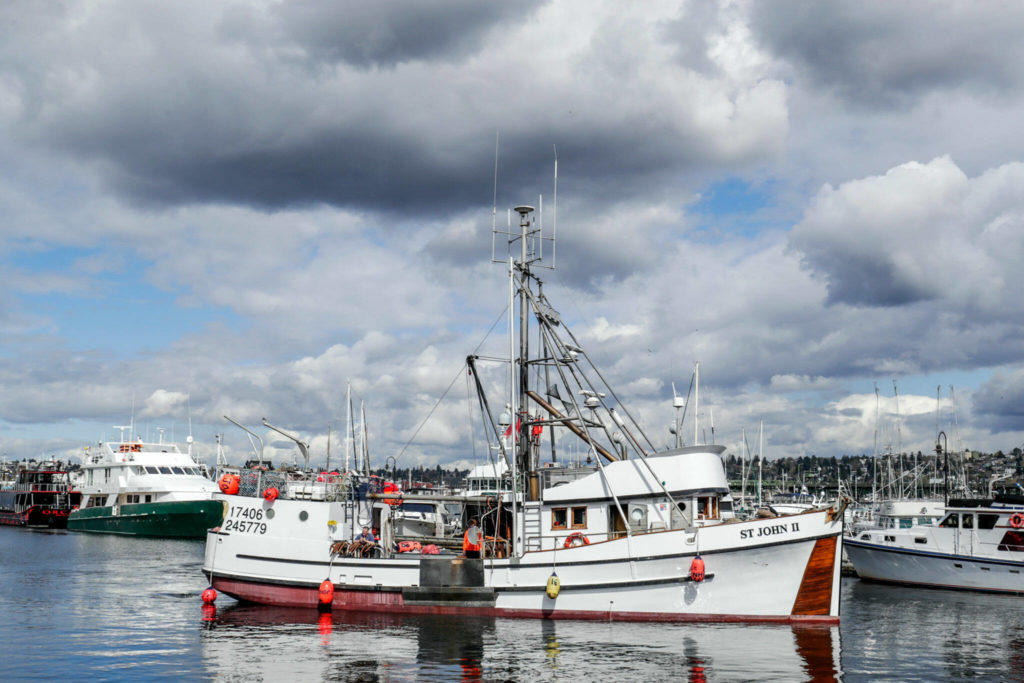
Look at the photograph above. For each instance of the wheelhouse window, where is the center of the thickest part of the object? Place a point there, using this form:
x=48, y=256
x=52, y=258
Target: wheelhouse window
x=952, y=521
x=165, y=470
x=559, y=518
x=987, y=521
x=579, y=518
x=968, y=521
x=707, y=507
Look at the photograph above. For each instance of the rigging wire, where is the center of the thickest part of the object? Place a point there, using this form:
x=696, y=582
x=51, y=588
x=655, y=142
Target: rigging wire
x=450, y=385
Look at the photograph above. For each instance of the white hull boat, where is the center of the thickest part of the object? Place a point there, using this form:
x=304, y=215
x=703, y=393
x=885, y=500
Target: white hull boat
x=978, y=545
x=638, y=534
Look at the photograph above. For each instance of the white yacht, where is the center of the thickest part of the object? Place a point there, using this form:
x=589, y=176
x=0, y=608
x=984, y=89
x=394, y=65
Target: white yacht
x=139, y=488
x=977, y=545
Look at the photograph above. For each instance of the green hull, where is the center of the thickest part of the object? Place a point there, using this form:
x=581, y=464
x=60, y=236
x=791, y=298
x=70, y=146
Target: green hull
x=178, y=519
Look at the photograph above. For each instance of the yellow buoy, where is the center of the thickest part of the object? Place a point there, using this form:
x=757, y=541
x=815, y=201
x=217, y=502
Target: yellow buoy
x=554, y=585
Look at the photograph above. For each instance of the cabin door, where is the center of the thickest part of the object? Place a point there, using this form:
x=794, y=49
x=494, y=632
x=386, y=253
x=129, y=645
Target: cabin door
x=616, y=523
x=965, y=535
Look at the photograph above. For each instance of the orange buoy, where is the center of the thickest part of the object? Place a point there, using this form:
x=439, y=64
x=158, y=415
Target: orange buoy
x=326, y=593
x=575, y=539
x=697, y=569
x=271, y=494
x=1017, y=520
x=209, y=596
x=229, y=483
x=391, y=487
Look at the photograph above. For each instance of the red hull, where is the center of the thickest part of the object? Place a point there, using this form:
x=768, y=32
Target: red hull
x=392, y=602
x=45, y=518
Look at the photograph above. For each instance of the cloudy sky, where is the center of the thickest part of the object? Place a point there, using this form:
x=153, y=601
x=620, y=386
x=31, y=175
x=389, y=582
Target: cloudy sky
x=236, y=208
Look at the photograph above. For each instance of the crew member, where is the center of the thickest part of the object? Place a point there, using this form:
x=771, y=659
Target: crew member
x=473, y=540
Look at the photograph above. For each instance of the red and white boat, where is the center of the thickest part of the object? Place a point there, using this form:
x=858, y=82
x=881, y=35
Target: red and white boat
x=635, y=534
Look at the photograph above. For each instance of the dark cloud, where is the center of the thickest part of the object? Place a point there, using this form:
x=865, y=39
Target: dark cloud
x=223, y=109
x=386, y=34
x=860, y=279
x=892, y=53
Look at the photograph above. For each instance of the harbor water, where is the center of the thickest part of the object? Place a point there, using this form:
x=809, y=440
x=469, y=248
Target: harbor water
x=89, y=607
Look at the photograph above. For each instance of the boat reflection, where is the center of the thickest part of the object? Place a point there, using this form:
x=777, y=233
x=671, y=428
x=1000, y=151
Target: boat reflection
x=375, y=646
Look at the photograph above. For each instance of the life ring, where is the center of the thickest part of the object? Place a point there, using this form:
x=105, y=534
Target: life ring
x=1017, y=520
x=576, y=539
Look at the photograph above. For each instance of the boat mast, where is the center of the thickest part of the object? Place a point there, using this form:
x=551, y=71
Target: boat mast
x=874, y=458
x=696, y=401
x=363, y=441
x=899, y=438
x=760, y=459
x=350, y=441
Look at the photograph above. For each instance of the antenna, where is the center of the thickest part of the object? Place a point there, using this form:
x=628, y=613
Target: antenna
x=554, y=227
x=494, y=204
x=529, y=233
x=123, y=428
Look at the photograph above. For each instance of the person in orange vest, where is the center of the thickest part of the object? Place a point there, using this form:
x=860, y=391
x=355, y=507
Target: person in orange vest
x=473, y=540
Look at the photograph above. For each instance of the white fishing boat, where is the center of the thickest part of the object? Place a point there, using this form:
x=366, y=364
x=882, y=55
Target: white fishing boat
x=977, y=545
x=139, y=488
x=637, y=534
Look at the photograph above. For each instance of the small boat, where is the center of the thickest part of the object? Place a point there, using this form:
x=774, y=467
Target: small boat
x=135, y=488
x=635, y=534
x=41, y=496
x=977, y=545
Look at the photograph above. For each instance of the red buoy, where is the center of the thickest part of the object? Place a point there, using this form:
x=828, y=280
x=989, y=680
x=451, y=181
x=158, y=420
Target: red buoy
x=229, y=483
x=326, y=593
x=271, y=494
x=697, y=569
x=209, y=596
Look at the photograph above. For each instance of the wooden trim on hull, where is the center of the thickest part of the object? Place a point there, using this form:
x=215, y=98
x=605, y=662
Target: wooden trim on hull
x=815, y=595
x=394, y=602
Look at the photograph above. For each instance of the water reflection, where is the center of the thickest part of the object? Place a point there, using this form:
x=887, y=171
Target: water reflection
x=389, y=647
x=931, y=634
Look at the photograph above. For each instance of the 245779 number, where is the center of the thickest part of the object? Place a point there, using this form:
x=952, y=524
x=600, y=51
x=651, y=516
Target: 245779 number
x=245, y=520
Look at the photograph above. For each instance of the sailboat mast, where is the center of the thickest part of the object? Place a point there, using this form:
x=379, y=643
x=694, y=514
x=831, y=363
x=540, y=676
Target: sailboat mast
x=365, y=443
x=350, y=445
x=874, y=457
x=696, y=402
x=760, y=459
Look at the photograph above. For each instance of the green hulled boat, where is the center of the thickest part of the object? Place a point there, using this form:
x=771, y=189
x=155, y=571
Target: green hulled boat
x=174, y=519
x=135, y=488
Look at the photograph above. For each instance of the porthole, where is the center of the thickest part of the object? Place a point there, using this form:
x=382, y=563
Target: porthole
x=303, y=516
x=270, y=513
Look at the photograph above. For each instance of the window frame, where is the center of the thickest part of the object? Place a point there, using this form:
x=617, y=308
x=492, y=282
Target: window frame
x=572, y=519
x=565, y=519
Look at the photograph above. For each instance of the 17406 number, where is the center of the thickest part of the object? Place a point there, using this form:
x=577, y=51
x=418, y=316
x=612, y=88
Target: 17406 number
x=245, y=520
